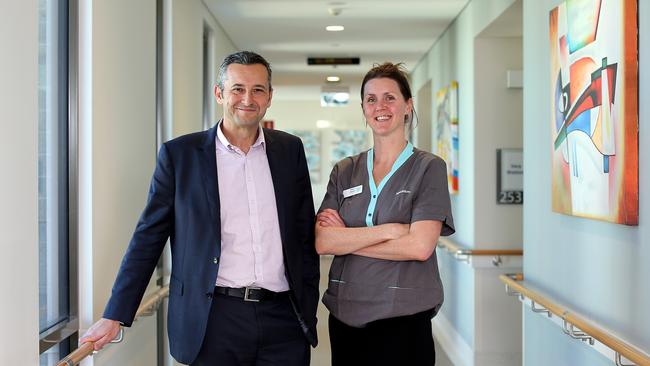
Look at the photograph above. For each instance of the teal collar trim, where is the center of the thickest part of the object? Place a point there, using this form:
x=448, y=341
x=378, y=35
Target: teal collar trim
x=374, y=190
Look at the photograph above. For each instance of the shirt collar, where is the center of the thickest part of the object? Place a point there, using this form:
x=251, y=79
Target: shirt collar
x=260, y=141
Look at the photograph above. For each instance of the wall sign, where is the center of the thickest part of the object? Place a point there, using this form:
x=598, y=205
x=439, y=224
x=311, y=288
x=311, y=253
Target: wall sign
x=510, y=176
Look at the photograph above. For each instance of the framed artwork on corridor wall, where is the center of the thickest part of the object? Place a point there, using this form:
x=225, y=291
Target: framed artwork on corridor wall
x=446, y=132
x=347, y=143
x=594, y=109
x=311, y=143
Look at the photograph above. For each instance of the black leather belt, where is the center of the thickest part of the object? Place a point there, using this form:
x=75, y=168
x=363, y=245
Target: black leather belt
x=255, y=294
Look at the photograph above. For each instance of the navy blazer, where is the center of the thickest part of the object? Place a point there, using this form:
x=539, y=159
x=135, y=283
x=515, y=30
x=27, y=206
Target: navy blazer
x=183, y=205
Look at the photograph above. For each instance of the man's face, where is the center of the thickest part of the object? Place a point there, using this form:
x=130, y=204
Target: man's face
x=246, y=95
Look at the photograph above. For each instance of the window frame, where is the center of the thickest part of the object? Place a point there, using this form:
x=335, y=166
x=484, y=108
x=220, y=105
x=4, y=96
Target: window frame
x=208, y=108
x=65, y=333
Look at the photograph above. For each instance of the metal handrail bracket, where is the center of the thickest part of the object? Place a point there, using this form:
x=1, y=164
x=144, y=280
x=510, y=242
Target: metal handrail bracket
x=575, y=326
x=462, y=255
x=539, y=309
x=120, y=336
x=512, y=292
x=619, y=362
x=471, y=255
x=570, y=330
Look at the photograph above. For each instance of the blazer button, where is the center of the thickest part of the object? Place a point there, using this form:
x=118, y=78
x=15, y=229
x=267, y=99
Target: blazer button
x=208, y=295
x=215, y=260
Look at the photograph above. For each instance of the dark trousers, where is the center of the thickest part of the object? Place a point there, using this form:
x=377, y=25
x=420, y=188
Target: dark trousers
x=405, y=340
x=261, y=333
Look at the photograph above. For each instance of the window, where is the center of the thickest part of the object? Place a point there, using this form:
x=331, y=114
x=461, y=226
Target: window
x=208, y=77
x=56, y=310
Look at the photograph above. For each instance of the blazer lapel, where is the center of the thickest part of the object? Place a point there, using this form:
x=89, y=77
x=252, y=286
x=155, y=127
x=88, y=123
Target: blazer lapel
x=208, y=164
x=275, y=156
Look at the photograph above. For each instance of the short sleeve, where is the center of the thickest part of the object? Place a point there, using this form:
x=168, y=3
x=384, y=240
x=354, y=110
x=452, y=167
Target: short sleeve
x=432, y=201
x=331, y=199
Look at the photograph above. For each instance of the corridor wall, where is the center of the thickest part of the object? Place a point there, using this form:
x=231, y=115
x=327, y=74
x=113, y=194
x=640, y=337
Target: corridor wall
x=188, y=20
x=19, y=184
x=119, y=138
x=476, y=325
x=117, y=129
x=599, y=269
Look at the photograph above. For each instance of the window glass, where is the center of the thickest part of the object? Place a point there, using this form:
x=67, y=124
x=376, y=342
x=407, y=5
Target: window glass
x=53, y=164
x=208, y=78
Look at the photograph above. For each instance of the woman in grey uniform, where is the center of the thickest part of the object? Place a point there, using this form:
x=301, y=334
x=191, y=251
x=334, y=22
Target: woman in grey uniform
x=381, y=218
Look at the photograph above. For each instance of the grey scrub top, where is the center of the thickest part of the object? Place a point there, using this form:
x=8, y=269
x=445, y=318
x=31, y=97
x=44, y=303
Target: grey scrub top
x=363, y=289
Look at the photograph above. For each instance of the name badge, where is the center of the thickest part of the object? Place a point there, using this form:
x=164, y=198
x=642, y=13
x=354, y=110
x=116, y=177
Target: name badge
x=352, y=191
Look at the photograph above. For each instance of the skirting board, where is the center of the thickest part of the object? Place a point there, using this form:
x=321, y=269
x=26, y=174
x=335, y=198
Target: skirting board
x=454, y=345
x=461, y=354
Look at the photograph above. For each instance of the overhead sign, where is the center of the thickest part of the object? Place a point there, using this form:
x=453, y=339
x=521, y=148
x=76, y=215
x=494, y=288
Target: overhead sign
x=333, y=61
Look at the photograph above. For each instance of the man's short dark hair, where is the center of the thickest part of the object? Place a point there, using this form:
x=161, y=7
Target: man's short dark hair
x=242, y=58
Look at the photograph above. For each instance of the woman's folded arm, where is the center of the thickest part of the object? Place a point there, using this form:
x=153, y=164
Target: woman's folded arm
x=418, y=244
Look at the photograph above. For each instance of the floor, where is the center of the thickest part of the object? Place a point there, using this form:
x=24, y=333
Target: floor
x=320, y=356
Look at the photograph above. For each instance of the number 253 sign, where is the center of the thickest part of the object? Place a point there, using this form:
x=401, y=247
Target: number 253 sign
x=510, y=176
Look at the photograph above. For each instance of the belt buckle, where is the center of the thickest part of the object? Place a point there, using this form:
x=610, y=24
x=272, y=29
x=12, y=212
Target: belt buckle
x=247, y=292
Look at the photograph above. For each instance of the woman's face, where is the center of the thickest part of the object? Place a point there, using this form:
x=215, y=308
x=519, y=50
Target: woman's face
x=384, y=107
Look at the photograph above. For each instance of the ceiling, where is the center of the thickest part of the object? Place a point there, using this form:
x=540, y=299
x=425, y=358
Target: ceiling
x=286, y=32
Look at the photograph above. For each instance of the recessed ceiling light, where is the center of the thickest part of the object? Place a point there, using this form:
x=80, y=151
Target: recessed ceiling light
x=333, y=79
x=334, y=28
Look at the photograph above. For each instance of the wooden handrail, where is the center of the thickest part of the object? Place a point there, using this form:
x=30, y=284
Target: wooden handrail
x=515, y=283
x=74, y=358
x=152, y=302
x=147, y=307
x=457, y=249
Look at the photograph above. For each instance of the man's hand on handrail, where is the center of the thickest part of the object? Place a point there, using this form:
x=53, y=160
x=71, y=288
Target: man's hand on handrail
x=101, y=333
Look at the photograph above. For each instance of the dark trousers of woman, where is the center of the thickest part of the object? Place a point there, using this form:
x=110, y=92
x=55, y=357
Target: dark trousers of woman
x=405, y=340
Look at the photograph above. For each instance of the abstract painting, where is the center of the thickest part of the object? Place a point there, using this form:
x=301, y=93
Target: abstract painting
x=446, y=132
x=311, y=142
x=594, y=109
x=348, y=143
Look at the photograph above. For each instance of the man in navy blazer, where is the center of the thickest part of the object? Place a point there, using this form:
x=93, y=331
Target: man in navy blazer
x=236, y=203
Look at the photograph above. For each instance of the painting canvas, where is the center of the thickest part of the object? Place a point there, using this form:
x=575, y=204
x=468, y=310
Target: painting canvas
x=348, y=143
x=594, y=109
x=311, y=142
x=446, y=131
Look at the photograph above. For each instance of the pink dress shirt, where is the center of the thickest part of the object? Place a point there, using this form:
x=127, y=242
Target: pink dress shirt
x=251, y=247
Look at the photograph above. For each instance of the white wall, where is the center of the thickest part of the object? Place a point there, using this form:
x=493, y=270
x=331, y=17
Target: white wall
x=118, y=132
x=19, y=183
x=459, y=55
x=599, y=269
x=498, y=123
x=424, y=109
x=188, y=19
x=452, y=58
x=489, y=118
x=121, y=138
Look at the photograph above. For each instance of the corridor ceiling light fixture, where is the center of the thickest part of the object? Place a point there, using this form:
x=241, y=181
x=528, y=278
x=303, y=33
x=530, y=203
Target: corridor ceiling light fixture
x=334, y=96
x=322, y=123
x=334, y=28
x=333, y=79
